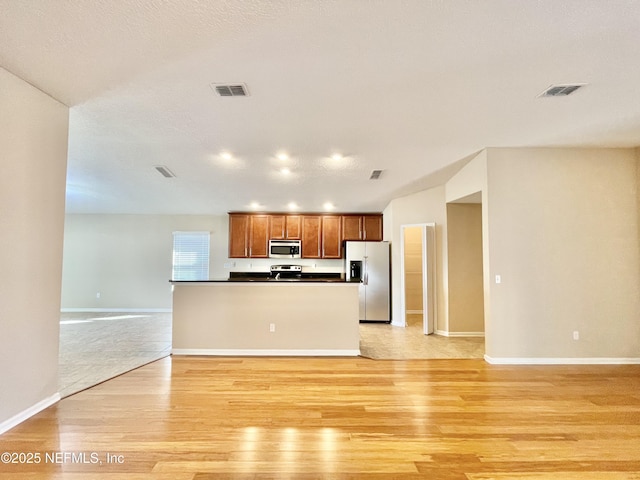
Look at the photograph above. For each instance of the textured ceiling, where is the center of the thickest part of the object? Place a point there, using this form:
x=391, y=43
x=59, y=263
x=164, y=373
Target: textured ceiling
x=411, y=87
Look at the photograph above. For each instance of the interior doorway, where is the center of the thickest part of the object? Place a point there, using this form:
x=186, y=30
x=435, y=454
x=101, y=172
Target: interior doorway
x=465, y=267
x=417, y=276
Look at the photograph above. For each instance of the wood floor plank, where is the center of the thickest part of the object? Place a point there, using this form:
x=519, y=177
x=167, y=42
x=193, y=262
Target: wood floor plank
x=195, y=418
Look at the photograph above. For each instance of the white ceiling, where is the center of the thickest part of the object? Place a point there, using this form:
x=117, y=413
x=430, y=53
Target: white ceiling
x=407, y=86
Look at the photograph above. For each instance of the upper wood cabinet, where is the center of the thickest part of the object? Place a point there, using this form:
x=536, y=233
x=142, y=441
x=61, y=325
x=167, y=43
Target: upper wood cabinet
x=277, y=227
x=238, y=235
x=293, y=226
x=331, y=236
x=352, y=227
x=285, y=227
x=259, y=236
x=362, y=227
x=321, y=235
x=372, y=228
x=311, y=236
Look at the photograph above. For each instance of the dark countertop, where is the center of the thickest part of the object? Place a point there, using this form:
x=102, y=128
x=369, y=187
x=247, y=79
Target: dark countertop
x=235, y=277
x=267, y=280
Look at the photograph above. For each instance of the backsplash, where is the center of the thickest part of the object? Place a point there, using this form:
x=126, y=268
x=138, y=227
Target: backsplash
x=263, y=264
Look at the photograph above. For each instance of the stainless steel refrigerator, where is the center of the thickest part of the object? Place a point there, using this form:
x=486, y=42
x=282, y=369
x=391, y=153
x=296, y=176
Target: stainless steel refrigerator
x=368, y=263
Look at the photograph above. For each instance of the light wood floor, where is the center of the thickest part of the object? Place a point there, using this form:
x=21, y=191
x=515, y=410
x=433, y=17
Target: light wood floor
x=194, y=418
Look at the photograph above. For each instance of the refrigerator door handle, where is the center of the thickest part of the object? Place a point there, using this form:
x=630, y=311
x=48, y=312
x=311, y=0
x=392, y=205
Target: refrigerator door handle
x=366, y=272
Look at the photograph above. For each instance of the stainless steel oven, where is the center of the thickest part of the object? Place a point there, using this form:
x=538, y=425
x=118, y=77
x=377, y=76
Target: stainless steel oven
x=285, y=248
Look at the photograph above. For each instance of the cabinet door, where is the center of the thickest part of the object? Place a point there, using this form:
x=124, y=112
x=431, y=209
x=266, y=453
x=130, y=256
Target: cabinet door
x=372, y=228
x=277, y=227
x=238, y=235
x=352, y=227
x=293, y=227
x=259, y=236
x=311, y=236
x=331, y=238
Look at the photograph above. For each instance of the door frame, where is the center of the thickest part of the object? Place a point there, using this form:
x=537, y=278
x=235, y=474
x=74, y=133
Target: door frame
x=428, y=272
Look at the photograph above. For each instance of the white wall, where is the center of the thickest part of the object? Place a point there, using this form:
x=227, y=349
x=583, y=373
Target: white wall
x=33, y=142
x=563, y=232
x=424, y=207
x=127, y=259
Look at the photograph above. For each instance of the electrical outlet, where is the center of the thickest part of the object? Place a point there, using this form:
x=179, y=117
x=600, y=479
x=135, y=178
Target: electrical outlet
x=576, y=335
x=97, y=294
x=272, y=327
x=498, y=279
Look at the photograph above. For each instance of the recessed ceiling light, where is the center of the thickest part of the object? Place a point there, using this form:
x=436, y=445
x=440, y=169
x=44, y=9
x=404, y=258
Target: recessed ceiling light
x=254, y=205
x=226, y=156
x=285, y=171
x=292, y=205
x=328, y=206
x=336, y=157
x=282, y=156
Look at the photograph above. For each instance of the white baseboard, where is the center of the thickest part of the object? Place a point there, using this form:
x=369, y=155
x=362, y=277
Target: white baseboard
x=119, y=310
x=561, y=361
x=232, y=352
x=393, y=322
x=444, y=333
x=29, y=412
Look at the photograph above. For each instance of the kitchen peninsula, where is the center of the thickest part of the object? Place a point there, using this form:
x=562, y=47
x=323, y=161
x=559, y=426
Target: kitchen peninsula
x=266, y=317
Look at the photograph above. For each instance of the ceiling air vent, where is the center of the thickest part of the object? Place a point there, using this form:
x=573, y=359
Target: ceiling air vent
x=164, y=171
x=375, y=174
x=230, y=90
x=561, y=90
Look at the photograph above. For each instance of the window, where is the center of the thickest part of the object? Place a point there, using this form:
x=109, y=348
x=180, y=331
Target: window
x=190, y=256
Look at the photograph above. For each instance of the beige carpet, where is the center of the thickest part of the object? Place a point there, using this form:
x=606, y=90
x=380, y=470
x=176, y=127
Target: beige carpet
x=95, y=347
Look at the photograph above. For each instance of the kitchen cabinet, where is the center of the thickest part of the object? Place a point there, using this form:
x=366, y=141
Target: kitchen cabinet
x=293, y=226
x=311, y=236
x=331, y=236
x=238, y=235
x=372, y=228
x=321, y=235
x=362, y=227
x=248, y=236
x=259, y=236
x=285, y=227
x=352, y=227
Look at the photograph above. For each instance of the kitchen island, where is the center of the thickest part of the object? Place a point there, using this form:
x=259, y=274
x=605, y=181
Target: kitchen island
x=266, y=317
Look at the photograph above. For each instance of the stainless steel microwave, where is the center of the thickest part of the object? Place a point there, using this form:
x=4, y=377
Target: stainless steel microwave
x=285, y=248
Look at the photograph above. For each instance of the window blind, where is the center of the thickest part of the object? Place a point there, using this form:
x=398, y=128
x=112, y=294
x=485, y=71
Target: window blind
x=190, y=256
